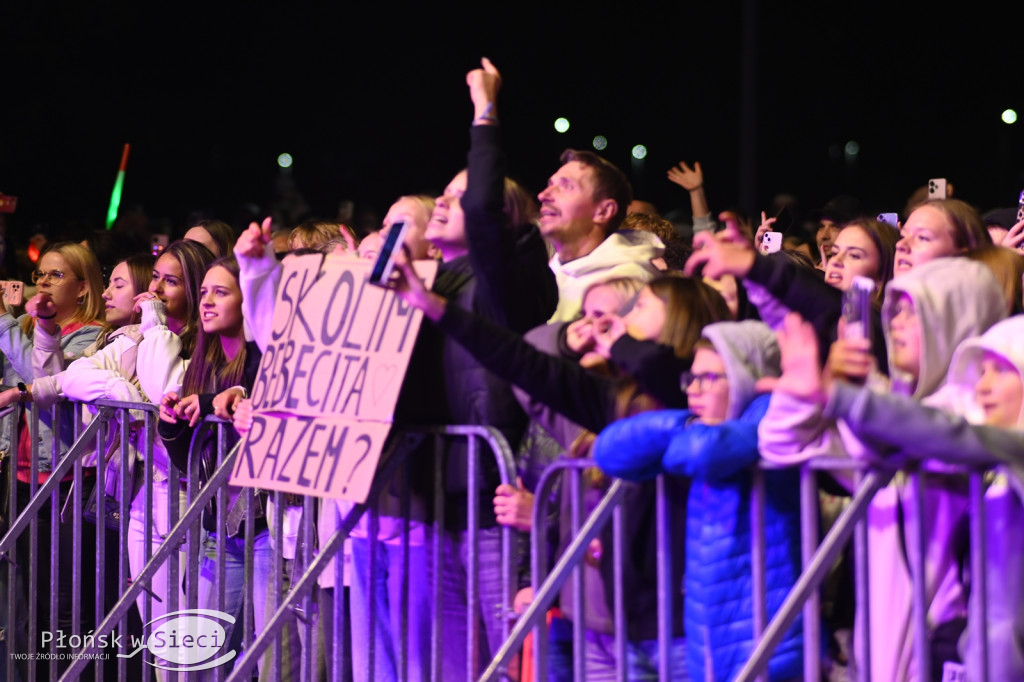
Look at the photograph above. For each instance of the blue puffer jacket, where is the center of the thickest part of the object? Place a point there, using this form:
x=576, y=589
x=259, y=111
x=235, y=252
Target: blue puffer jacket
x=718, y=612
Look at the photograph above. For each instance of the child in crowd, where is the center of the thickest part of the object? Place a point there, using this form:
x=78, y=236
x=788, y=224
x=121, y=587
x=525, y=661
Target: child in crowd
x=714, y=443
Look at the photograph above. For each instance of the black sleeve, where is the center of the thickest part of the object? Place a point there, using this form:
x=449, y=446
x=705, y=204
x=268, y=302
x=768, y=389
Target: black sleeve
x=655, y=367
x=818, y=302
x=567, y=388
x=177, y=439
x=252, y=365
x=513, y=295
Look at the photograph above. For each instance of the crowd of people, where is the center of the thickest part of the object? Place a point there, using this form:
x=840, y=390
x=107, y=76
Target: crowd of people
x=582, y=324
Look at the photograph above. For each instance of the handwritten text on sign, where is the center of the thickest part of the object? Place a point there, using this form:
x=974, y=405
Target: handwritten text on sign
x=328, y=381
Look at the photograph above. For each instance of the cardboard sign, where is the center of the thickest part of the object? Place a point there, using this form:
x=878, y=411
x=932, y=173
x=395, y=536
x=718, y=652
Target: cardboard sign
x=328, y=382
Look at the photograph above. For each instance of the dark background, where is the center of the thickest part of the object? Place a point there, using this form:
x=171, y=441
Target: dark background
x=370, y=100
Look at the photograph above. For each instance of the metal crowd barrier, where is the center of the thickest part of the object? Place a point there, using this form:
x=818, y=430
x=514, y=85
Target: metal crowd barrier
x=818, y=558
x=292, y=606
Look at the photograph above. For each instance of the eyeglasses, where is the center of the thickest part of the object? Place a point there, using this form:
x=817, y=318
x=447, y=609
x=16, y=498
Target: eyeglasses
x=704, y=381
x=55, y=275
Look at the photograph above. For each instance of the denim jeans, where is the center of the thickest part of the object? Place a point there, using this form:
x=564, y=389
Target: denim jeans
x=599, y=658
x=234, y=600
x=453, y=608
x=387, y=621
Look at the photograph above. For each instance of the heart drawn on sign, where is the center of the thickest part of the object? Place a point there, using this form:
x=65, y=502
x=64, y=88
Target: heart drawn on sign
x=383, y=375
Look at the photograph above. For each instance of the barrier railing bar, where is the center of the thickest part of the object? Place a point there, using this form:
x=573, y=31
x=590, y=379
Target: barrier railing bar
x=809, y=510
x=811, y=578
x=545, y=594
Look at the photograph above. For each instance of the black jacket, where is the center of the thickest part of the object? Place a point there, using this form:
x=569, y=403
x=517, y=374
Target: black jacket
x=505, y=278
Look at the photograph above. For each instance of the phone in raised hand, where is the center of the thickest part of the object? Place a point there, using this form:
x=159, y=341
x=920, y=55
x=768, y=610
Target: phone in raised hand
x=14, y=292
x=771, y=242
x=857, y=308
x=890, y=218
x=385, y=263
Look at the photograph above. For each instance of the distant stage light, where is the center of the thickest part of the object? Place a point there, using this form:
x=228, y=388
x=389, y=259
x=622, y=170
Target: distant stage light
x=1009, y=117
x=284, y=160
x=851, y=149
x=639, y=151
x=561, y=124
x=600, y=142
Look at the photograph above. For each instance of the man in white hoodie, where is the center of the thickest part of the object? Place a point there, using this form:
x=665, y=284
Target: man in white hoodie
x=581, y=210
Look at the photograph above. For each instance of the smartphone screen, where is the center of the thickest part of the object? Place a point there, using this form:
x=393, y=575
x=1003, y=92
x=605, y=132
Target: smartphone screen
x=385, y=262
x=857, y=308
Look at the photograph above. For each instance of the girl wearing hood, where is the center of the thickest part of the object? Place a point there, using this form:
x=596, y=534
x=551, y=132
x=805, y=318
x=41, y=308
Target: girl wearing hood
x=714, y=443
x=927, y=313
x=992, y=368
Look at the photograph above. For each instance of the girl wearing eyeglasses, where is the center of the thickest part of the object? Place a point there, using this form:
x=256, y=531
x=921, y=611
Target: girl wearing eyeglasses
x=65, y=315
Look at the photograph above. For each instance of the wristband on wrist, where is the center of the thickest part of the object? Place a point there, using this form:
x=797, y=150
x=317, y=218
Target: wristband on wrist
x=488, y=116
x=23, y=393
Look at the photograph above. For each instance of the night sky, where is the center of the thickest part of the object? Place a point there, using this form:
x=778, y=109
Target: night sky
x=370, y=100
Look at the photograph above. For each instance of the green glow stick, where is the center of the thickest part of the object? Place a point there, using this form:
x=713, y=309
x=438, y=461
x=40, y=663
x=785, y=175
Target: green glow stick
x=115, y=196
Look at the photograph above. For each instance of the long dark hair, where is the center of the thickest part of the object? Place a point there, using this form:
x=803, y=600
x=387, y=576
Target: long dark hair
x=194, y=259
x=210, y=370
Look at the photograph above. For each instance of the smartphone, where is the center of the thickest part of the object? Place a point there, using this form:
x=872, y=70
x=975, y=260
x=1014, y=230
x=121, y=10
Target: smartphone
x=937, y=188
x=159, y=243
x=890, y=218
x=857, y=308
x=771, y=242
x=1020, y=206
x=385, y=262
x=14, y=291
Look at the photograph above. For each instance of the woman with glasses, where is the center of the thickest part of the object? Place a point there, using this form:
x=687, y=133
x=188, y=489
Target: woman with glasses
x=66, y=313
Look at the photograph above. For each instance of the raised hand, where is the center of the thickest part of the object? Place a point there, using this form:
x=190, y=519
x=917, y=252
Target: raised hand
x=143, y=298
x=252, y=243
x=484, y=84
x=42, y=307
x=849, y=358
x=798, y=350
x=765, y=226
x=715, y=256
x=1014, y=237
x=408, y=285
x=688, y=178
x=607, y=331
x=579, y=335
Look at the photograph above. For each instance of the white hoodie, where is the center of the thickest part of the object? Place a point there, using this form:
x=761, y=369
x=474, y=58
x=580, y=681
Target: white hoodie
x=623, y=254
